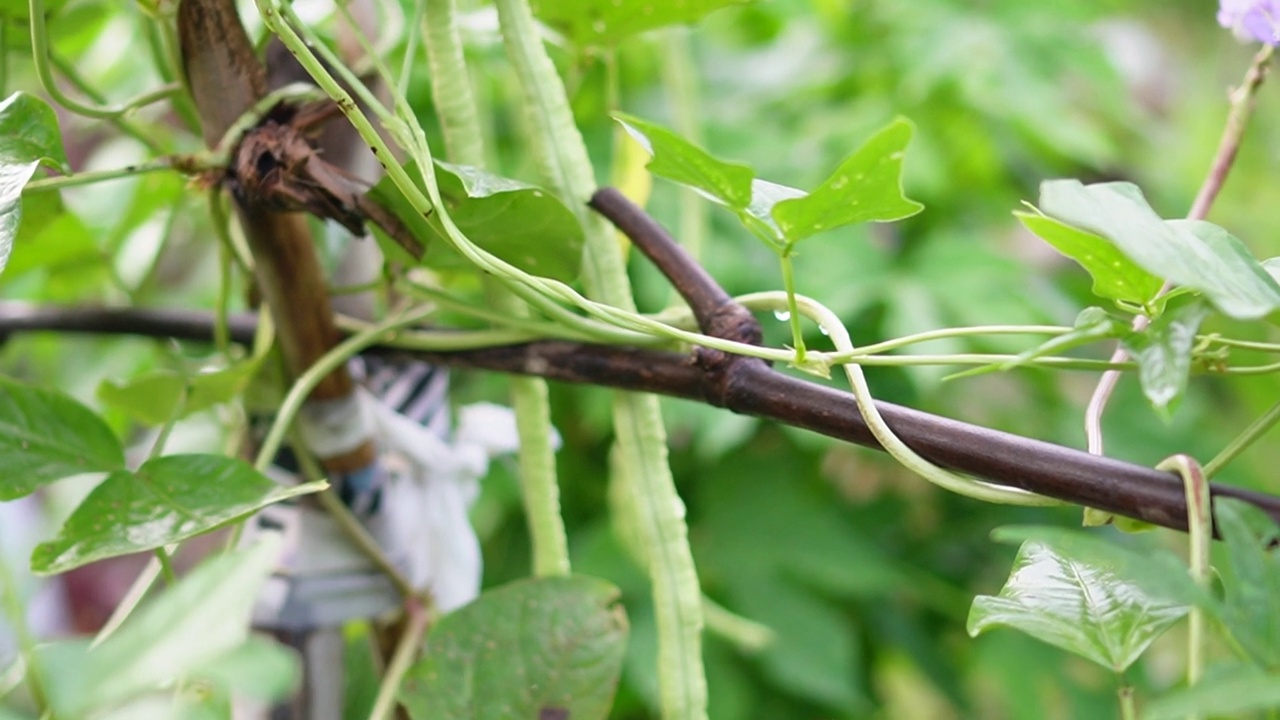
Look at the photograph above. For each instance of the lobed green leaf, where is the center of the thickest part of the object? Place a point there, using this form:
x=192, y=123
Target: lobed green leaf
x=1194, y=254
x=1114, y=275
x=865, y=187
x=679, y=160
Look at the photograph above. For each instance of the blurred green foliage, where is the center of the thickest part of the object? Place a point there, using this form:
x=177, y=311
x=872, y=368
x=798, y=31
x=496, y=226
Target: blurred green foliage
x=863, y=573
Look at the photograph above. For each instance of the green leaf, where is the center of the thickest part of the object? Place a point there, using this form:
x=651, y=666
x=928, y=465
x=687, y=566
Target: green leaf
x=1251, y=581
x=1115, y=276
x=678, y=160
x=1194, y=254
x=46, y=436
x=1086, y=608
x=154, y=397
x=1163, y=353
x=522, y=224
x=758, y=216
x=51, y=238
x=13, y=177
x=1157, y=573
x=606, y=22
x=29, y=133
x=258, y=668
x=199, y=620
x=866, y=187
x=1246, y=690
x=169, y=499
x=543, y=648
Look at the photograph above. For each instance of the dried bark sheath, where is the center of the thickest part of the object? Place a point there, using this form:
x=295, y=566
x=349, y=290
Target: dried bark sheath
x=226, y=79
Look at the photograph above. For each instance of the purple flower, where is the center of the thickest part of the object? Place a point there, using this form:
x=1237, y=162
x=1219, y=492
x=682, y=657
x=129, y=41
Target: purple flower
x=1252, y=19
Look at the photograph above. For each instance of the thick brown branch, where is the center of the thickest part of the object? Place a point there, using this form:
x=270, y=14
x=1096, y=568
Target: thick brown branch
x=705, y=296
x=226, y=80
x=750, y=388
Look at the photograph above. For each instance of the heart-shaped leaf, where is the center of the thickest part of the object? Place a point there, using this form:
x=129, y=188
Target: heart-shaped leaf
x=1155, y=571
x=522, y=224
x=46, y=436
x=1114, y=275
x=1082, y=607
x=1194, y=254
x=169, y=499
x=865, y=187
x=541, y=649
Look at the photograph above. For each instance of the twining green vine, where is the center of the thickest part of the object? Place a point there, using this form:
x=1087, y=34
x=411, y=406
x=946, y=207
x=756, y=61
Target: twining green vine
x=888, y=439
x=460, y=123
x=641, y=436
x=40, y=54
x=543, y=293
x=330, y=361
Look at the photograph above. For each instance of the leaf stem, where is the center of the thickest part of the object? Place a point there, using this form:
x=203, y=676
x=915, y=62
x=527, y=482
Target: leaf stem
x=793, y=311
x=125, y=125
x=418, y=27
x=405, y=652
x=166, y=566
x=1128, y=709
x=84, y=178
x=157, y=447
x=40, y=55
x=1256, y=429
